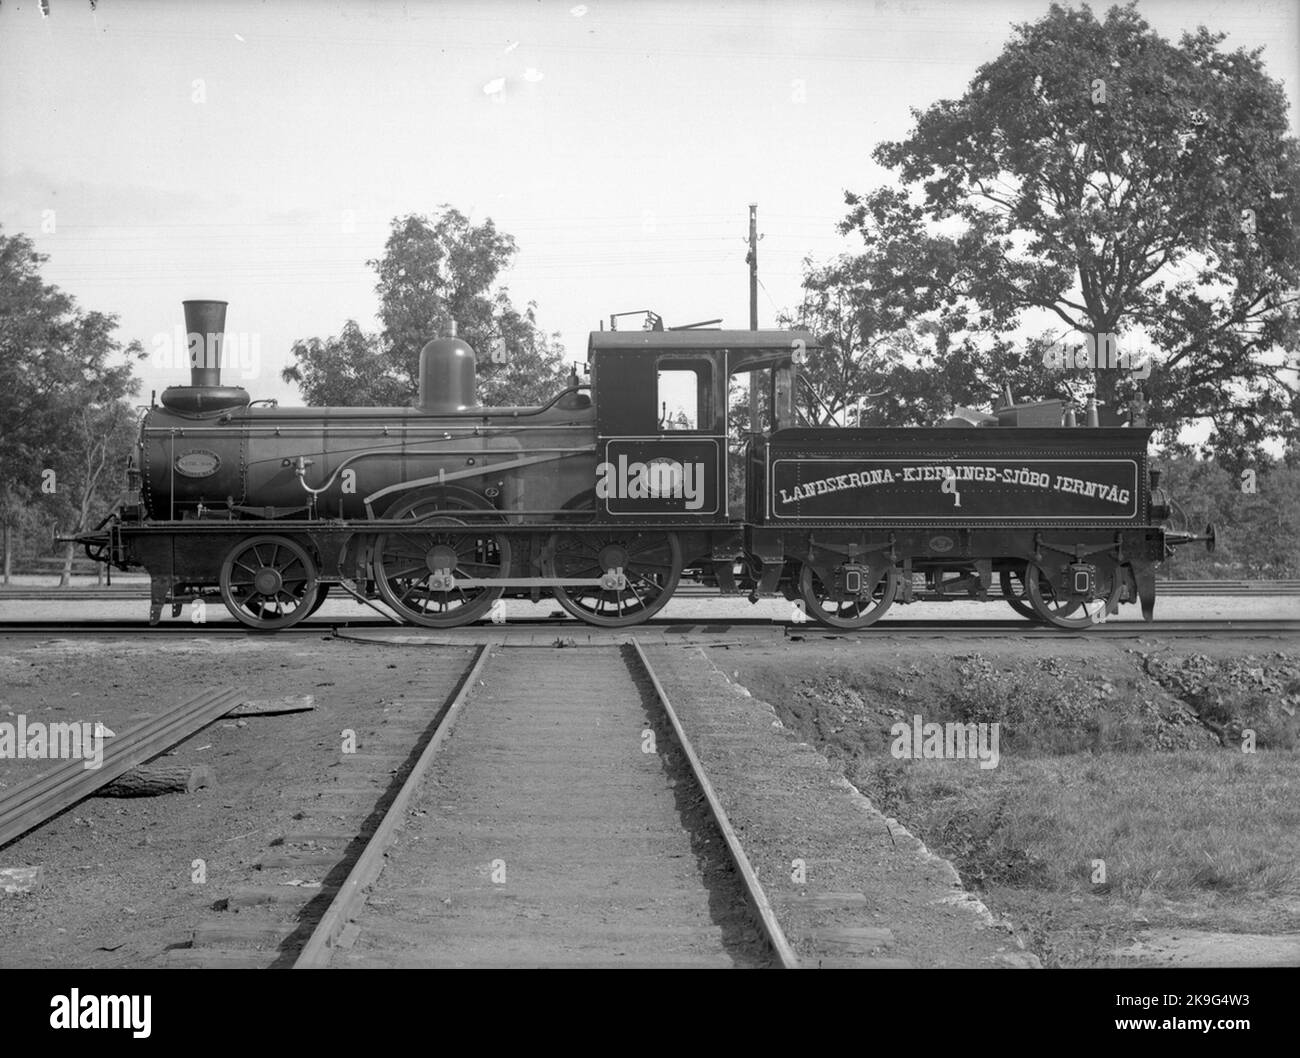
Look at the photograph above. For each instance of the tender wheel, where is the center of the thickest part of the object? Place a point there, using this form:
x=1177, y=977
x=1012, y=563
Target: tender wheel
x=411, y=567
x=651, y=564
x=1016, y=594
x=268, y=582
x=1014, y=587
x=1064, y=612
x=847, y=611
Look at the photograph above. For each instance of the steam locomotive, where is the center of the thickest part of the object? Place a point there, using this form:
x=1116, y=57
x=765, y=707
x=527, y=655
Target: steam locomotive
x=603, y=501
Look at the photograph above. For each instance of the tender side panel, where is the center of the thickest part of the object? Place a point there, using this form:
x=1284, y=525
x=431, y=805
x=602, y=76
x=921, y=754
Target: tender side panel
x=959, y=478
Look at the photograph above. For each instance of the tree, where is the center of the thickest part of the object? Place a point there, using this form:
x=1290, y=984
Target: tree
x=99, y=436
x=534, y=370
x=857, y=335
x=879, y=365
x=65, y=420
x=1254, y=512
x=433, y=273
x=1096, y=172
x=349, y=370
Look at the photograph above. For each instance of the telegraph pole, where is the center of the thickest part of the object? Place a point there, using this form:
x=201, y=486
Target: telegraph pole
x=752, y=260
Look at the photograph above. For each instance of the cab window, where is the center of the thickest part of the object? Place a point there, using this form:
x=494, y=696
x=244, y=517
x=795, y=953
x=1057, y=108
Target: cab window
x=684, y=395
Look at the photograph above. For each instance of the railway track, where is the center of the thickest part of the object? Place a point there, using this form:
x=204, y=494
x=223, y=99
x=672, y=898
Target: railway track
x=558, y=817
x=268, y=912
x=533, y=812
x=545, y=632
x=686, y=631
x=136, y=592
x=562, y=808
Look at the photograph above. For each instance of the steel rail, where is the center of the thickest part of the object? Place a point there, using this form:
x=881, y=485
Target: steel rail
x=753, y=889
x=31, y=803
x=729, y=632
x=1016, y=627
x=1238, y=588
x=316, y=953
x=1165, y=589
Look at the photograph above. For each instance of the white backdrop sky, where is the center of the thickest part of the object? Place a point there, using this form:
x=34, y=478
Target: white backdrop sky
x=621, y=151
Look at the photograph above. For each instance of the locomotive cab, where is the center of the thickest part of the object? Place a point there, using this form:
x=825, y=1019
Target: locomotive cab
x=665, y=450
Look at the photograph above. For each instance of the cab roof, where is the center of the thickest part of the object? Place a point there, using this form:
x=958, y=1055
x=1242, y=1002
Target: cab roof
x=656, y=341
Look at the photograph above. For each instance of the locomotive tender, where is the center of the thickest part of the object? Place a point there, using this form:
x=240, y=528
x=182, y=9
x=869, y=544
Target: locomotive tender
x=601, y=500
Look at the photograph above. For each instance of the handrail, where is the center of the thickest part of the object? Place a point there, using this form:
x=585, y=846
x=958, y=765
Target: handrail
x=468, y=413
x=816, y=396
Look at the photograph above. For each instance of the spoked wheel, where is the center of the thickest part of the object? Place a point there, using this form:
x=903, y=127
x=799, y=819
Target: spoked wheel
x=847, y=611
x=1016, y=594
x=268, y=582
x=417, y=570
x=641, y=570
x=1063, y=612
x=322, y=592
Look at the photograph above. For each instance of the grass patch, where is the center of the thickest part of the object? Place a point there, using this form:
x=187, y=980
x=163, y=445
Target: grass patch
x=1232, y=696
x=1174, y=825
x=1130, y=758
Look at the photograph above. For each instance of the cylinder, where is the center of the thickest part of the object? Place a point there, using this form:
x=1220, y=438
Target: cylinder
x=205, y=328
x=446, y=376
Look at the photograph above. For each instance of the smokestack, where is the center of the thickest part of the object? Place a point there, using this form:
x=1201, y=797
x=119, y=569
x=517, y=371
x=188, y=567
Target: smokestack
x=205, y=328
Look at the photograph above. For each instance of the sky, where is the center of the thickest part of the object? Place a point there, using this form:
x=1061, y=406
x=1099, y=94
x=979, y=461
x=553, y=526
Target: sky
x=257, y=152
